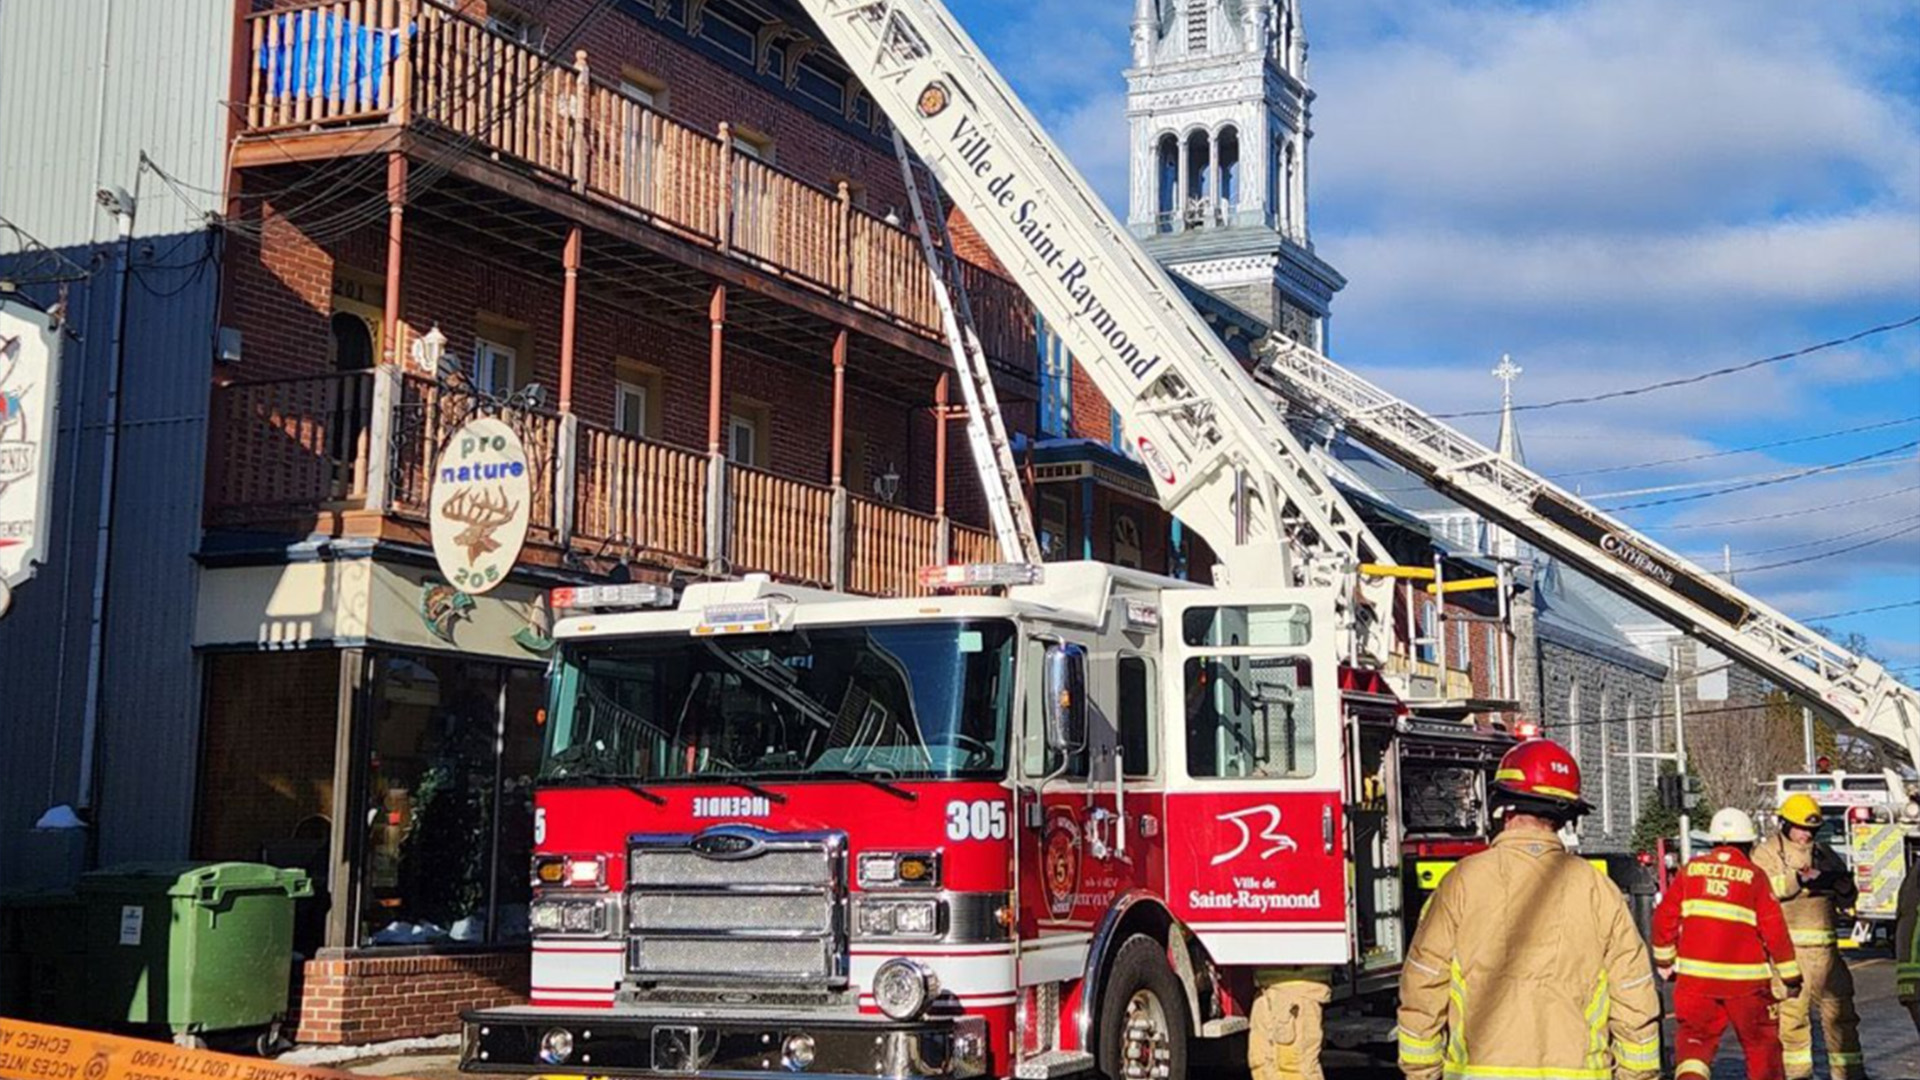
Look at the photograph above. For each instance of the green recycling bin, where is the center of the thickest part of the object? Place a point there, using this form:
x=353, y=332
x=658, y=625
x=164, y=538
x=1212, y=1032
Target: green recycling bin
x=193, y=947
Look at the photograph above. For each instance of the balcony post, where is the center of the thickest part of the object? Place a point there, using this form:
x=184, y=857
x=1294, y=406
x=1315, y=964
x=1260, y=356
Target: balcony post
x=838, y=536
x=569, y=312
x=846, y=242
x=717, y=502
x=945, y=531
x=396, y=212
x=566, y=479
x=386, y=396
x=403, y=65
x=726, y=187
x=582, y=94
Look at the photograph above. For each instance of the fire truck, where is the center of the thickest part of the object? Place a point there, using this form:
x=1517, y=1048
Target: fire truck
x=1865, y=822
x=1049, y=820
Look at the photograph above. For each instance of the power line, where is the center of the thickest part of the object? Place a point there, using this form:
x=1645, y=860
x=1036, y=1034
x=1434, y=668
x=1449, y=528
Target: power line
x=1768, y=481
x=1689, y=380
x=1738, y=450
x=1843, y=504
x=1829, y=554
x=1848, y=535
x=1863, y=611
x=1716, y=481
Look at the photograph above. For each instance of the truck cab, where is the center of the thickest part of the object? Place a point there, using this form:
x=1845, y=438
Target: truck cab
x=1049, y=821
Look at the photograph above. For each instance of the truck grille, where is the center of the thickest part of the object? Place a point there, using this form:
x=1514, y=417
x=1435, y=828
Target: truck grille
x=737, y=904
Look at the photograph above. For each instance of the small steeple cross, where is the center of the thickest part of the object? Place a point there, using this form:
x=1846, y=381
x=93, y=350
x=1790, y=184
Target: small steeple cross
x=1506, y=373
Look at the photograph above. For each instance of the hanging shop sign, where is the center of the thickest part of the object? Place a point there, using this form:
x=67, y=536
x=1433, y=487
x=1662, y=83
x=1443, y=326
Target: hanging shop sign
x=29, y=393
x=482, y=500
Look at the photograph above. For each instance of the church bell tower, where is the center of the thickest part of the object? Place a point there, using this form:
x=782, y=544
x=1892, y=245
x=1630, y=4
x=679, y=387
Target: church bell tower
x=1220, y=119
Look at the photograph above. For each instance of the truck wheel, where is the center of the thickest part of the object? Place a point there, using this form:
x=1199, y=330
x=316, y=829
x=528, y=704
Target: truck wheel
x=1143, y=1015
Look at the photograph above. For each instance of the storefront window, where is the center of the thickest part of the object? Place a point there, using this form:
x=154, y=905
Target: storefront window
x=452, y=747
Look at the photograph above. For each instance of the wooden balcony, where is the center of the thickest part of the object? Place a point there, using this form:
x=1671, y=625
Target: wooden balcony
x=352, y=76
x=353, y=455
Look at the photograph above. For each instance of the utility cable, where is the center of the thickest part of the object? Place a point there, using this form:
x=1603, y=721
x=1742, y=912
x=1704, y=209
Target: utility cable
x=1689, y=380
x=1903, y=421
x=1862, y=611
x=1769, y=481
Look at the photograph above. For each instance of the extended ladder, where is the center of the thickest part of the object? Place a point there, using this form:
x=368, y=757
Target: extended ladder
x=986, y=430
x=1855, y=689
x=1221, y=460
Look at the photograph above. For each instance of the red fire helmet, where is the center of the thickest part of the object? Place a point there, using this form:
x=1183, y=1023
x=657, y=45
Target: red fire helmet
x=1541, y=769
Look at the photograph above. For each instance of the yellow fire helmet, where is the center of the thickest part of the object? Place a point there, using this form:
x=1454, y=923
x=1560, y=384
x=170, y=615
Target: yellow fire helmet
x=1801, y=810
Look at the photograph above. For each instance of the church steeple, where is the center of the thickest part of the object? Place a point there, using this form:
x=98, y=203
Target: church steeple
x=1509, y=444
x=1221, y=121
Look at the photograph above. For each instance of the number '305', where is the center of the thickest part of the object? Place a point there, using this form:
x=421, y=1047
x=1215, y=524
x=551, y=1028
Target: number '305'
x=980, y=819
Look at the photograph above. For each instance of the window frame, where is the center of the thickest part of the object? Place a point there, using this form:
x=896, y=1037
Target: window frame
x=1150, y=715
x=487, y=352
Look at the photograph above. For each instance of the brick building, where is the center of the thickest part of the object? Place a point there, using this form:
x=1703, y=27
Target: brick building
x=663, y=243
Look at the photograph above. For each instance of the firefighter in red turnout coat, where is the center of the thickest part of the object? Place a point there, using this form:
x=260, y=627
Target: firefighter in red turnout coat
x=1720, y=930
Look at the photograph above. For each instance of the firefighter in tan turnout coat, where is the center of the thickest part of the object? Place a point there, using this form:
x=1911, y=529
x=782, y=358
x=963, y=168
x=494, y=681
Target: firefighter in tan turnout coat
x=1811, y=883
x=1526, y=962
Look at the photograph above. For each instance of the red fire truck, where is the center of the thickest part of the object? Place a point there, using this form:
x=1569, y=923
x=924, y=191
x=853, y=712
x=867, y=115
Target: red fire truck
x=1052, y=824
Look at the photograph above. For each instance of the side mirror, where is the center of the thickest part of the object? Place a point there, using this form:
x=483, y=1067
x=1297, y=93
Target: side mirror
x=1066, y=697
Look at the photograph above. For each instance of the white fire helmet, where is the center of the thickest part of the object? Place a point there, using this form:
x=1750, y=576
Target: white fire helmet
x=1732, y=826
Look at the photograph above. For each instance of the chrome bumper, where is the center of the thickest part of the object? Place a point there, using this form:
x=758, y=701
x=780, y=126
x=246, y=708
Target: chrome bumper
x=667, y=1042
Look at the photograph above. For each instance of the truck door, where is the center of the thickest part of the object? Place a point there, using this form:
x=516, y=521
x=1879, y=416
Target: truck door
x=1256, y=824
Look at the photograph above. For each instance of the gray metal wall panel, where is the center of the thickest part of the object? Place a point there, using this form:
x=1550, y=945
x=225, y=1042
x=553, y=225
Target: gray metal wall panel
x=166, y=70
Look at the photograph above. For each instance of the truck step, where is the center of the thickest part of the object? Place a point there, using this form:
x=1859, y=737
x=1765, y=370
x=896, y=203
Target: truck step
x=1053, y=1064
x=1223, y=1027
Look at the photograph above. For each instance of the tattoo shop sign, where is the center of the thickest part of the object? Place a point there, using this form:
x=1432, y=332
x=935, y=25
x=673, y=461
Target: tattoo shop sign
x=29, y=392
x=481, y=502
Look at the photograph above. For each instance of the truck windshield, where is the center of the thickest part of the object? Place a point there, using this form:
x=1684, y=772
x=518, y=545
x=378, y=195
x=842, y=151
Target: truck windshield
x=905, y=700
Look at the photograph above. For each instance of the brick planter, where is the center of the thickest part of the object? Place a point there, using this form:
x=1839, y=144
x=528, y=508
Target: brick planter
x=367, y=997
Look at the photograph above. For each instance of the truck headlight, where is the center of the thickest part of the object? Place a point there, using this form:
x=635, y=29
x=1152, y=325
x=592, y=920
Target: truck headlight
x=568, y=915
x=904, y=988
x=900, y=918
x=900, y=870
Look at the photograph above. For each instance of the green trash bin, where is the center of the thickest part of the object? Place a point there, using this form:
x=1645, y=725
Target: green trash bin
x=43, y=973
x=192, y=947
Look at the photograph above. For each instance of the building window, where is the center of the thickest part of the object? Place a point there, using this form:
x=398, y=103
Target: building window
x=754, y=144
x=453, y=747
x=1138, y=701
x=1604, y=728
x=1056, y=382
x=516, y=26
x=1229, y=154
x=1167, y=184
x=1573, y=721
x=1056, y=523
x=495, y=367
x=1463, y=644
x=1199, y=160
x=1126, y=539
x=747, y=435
x=1425, y=649
x=637, y=400
x=644, y=89
x=1633, y=762
x=1249, y=717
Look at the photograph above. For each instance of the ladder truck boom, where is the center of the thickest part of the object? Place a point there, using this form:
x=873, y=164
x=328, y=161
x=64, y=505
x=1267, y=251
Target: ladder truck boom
x=1221, y=458
x=1856, y=690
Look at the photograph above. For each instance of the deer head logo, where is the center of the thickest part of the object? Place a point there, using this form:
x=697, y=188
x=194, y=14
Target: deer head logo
x=483, y=514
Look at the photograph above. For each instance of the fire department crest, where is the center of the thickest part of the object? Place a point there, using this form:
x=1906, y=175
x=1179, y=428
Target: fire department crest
x=934, y=100
x=1060, y=861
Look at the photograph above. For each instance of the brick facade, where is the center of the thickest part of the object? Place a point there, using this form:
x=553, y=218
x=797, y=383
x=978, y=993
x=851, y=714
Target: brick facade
x=367, y=999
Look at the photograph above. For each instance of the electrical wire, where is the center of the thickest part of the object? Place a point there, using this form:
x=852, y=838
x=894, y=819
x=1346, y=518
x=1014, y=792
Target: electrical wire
x=1737, y=450
x=1689, y=380
x=1862, y=611
x=1844, y=504
x=1848, y=550
x=1848, y=535
x=1770, y=481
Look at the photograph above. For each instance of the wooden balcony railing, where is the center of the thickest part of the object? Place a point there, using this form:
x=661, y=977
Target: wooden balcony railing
x=289, y=447
x=340, y=63
x=287, y=452
x=639, y=497
x=779, y=526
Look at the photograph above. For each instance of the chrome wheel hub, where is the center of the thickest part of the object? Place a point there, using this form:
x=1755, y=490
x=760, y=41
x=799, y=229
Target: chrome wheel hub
x=1146, y=1051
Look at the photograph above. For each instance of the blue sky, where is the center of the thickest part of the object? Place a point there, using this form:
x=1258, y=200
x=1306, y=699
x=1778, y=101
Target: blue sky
x=1616, y=192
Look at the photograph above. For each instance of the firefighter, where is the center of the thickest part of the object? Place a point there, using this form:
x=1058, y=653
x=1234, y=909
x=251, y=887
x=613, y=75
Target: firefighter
x=1285, y=1024
x=1811, y=882
x=1720, y=928
x=1906, y=934
x=1526, y=962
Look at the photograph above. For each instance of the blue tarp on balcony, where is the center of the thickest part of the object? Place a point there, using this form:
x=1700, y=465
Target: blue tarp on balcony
x=324, y=54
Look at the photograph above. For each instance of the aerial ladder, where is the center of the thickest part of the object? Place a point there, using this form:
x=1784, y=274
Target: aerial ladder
x=1855, y=690
x=1220, y=457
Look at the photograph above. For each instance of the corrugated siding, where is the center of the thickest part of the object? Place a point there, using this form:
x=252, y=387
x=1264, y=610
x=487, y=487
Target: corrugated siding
x=165, y=64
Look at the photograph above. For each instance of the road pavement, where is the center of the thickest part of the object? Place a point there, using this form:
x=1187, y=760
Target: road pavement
x=1892, y=1048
